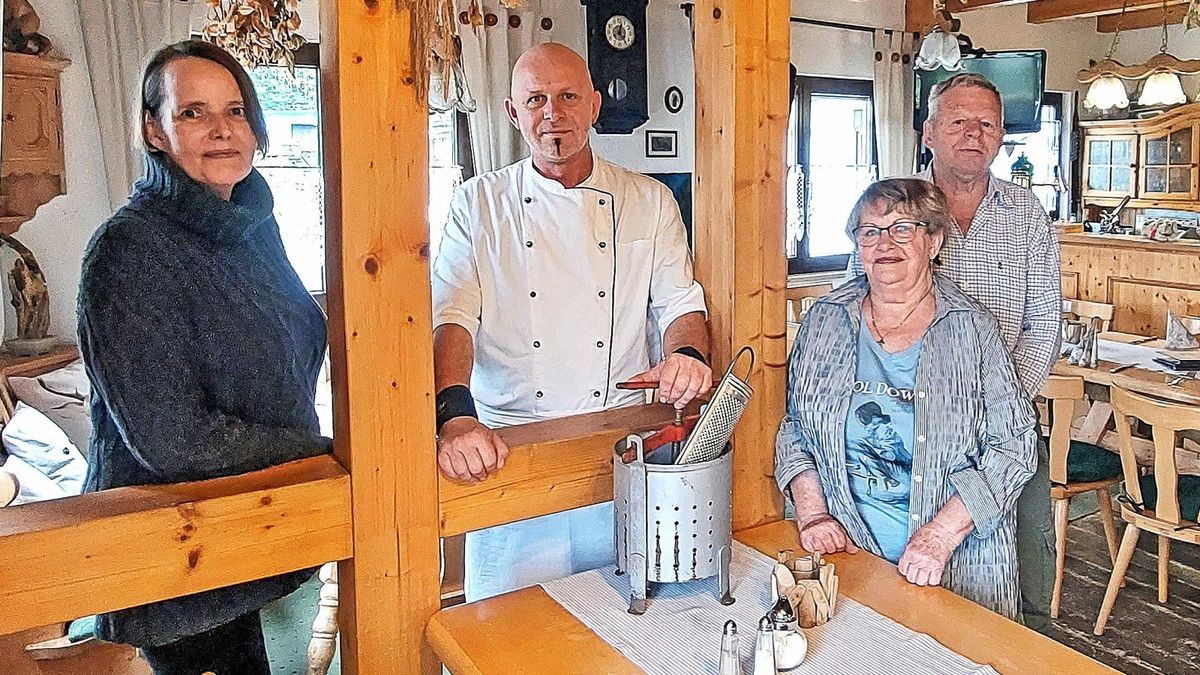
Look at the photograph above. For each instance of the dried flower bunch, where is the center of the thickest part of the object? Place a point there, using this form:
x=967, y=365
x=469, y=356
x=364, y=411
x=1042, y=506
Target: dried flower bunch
x=256, y=32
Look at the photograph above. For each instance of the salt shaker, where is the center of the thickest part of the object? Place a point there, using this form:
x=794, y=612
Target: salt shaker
x=729, y=664
x=764, y=648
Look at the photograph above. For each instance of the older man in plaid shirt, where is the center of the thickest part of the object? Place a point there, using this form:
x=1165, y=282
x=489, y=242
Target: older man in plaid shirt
x=1004, y=253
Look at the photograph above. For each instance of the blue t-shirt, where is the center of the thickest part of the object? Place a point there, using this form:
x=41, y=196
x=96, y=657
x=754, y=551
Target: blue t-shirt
x=879, y=440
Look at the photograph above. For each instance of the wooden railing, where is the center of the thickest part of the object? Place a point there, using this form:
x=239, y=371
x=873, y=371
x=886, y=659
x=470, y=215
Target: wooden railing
x=67, y=558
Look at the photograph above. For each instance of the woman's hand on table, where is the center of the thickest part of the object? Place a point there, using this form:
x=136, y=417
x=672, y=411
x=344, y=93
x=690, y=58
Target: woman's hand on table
x=927, y=552
x=822, y=533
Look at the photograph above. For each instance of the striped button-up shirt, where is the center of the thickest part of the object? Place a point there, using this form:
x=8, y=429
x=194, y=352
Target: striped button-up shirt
x=973, y=427
x=1009, y=261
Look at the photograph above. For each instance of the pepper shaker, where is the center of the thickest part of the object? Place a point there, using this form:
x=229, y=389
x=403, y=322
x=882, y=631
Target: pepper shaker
x=729, y=664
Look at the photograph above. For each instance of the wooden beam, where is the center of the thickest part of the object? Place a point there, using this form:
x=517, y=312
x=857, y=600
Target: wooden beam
x=1045, y=11
x=1141, y=18
x=375, y=139
x=955, y=6
x=742, y=50
x=552, y=466
x=918, y=15
x=124, y=547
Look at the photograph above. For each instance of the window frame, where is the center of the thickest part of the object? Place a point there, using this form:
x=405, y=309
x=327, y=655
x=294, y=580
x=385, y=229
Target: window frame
x=806, y=87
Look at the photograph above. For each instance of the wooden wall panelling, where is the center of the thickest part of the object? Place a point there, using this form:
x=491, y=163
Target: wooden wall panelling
x=1141, y=279
x=1140, y=305
x=1070, y=284
x=375, y=139
x=742, y=52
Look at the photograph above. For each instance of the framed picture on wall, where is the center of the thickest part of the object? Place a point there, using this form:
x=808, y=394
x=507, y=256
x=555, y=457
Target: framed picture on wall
x=662, y=143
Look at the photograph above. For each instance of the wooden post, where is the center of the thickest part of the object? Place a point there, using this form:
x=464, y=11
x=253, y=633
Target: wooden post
x=742, y=49
x=375, y=130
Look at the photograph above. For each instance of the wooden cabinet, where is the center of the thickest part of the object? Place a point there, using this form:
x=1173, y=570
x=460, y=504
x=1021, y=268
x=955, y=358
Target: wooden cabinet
x=1155, y=160
x=33, y=168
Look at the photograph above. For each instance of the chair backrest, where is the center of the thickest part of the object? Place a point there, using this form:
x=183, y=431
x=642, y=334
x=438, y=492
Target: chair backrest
x=1166, y=420
x=1061, y=393
x=1086, y=309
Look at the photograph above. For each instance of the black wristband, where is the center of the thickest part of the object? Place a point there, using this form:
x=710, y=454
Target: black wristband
x=454, y=401
x=692, y=352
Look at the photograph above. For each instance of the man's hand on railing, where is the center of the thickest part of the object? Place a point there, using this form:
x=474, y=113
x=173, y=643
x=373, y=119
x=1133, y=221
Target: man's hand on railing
x=468, y=451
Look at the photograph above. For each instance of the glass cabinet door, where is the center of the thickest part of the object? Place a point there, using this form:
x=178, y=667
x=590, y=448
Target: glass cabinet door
x=1169, y=169
x=1110, y=166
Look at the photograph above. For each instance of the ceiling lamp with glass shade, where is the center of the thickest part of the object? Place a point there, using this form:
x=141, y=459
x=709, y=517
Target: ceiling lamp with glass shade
x=1162, y=72
x=939, y=47
x=1107, y=91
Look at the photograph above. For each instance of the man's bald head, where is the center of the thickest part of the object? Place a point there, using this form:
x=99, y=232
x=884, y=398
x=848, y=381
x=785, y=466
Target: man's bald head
x=550, y=58
x=553, y=103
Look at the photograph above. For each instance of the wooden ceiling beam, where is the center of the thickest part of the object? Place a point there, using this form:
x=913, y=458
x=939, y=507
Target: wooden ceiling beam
x=1142, y=18
x=1045, y=11
x=968, y=5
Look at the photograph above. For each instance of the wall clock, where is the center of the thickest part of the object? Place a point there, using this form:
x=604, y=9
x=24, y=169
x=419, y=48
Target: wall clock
x=616, y=34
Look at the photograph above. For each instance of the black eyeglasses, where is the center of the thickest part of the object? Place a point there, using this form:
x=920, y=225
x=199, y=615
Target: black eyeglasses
x=901, y=231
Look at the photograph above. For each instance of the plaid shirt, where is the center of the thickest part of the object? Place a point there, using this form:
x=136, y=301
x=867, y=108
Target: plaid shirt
x=1009, y=262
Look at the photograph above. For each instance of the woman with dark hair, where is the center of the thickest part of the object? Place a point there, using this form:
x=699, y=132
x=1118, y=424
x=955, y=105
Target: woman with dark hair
x=202, y=345
x=907, y=432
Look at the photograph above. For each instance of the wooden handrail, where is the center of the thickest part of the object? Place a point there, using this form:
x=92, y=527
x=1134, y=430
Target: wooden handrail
x=124, y=547
x=552, y=466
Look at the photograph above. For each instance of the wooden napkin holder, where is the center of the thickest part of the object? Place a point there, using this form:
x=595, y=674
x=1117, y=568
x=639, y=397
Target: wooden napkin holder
x=810, y=584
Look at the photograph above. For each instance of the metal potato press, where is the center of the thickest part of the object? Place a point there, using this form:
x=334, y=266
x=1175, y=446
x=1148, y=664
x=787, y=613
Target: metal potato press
x=673, y=514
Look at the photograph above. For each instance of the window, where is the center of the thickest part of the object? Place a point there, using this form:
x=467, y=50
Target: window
x=445, y=171
x=833, y=140
x=1043, y=149
x=293, y=165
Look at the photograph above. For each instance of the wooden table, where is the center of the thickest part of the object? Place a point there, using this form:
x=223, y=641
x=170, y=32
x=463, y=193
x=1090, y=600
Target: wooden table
x=1141, y=380
x=528, y=632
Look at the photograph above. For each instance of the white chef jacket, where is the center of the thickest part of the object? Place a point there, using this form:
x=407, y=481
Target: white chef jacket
x=560, y=289
x=557, y=286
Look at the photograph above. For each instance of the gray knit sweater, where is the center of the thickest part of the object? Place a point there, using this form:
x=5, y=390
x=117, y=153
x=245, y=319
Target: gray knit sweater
x=203, y=350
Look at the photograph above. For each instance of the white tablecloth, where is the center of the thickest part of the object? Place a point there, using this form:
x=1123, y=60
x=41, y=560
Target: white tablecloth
x=1137, y=355
x=680, y=633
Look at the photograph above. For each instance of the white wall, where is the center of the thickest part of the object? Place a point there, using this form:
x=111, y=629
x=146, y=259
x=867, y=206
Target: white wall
x=1068, y=44
x=59, y=232
x=669, y=62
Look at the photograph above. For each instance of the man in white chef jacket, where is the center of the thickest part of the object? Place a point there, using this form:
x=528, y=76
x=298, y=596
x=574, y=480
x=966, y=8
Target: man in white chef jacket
x=551, y=274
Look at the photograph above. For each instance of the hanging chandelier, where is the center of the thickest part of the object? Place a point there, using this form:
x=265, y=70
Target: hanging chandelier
x=1107, y=91
x=1163, y=70
x=1161, y=73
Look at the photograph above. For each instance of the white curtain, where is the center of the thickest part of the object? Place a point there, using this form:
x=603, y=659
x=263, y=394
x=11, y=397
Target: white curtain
x=488, y=56
x=894, y=81
x=117, y=37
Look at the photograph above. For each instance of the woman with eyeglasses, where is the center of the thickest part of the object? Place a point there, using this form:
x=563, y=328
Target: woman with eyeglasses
x=907, y=433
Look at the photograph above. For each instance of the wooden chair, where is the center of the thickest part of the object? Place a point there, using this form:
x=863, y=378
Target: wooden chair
x=1085, y=309
x=1076, y=467
x=1164, y=503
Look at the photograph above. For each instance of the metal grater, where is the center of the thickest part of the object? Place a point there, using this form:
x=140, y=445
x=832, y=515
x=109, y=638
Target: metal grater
x=715, y=426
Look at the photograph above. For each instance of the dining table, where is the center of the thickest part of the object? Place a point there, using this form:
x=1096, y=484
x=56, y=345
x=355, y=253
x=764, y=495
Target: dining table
x=1117, y=351
x=527, y=631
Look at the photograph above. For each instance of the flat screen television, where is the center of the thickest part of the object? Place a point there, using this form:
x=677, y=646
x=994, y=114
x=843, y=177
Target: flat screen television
x=1019, y=75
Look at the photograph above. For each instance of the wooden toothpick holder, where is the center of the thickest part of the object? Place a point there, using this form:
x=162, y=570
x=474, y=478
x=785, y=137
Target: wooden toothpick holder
x=809, y=583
